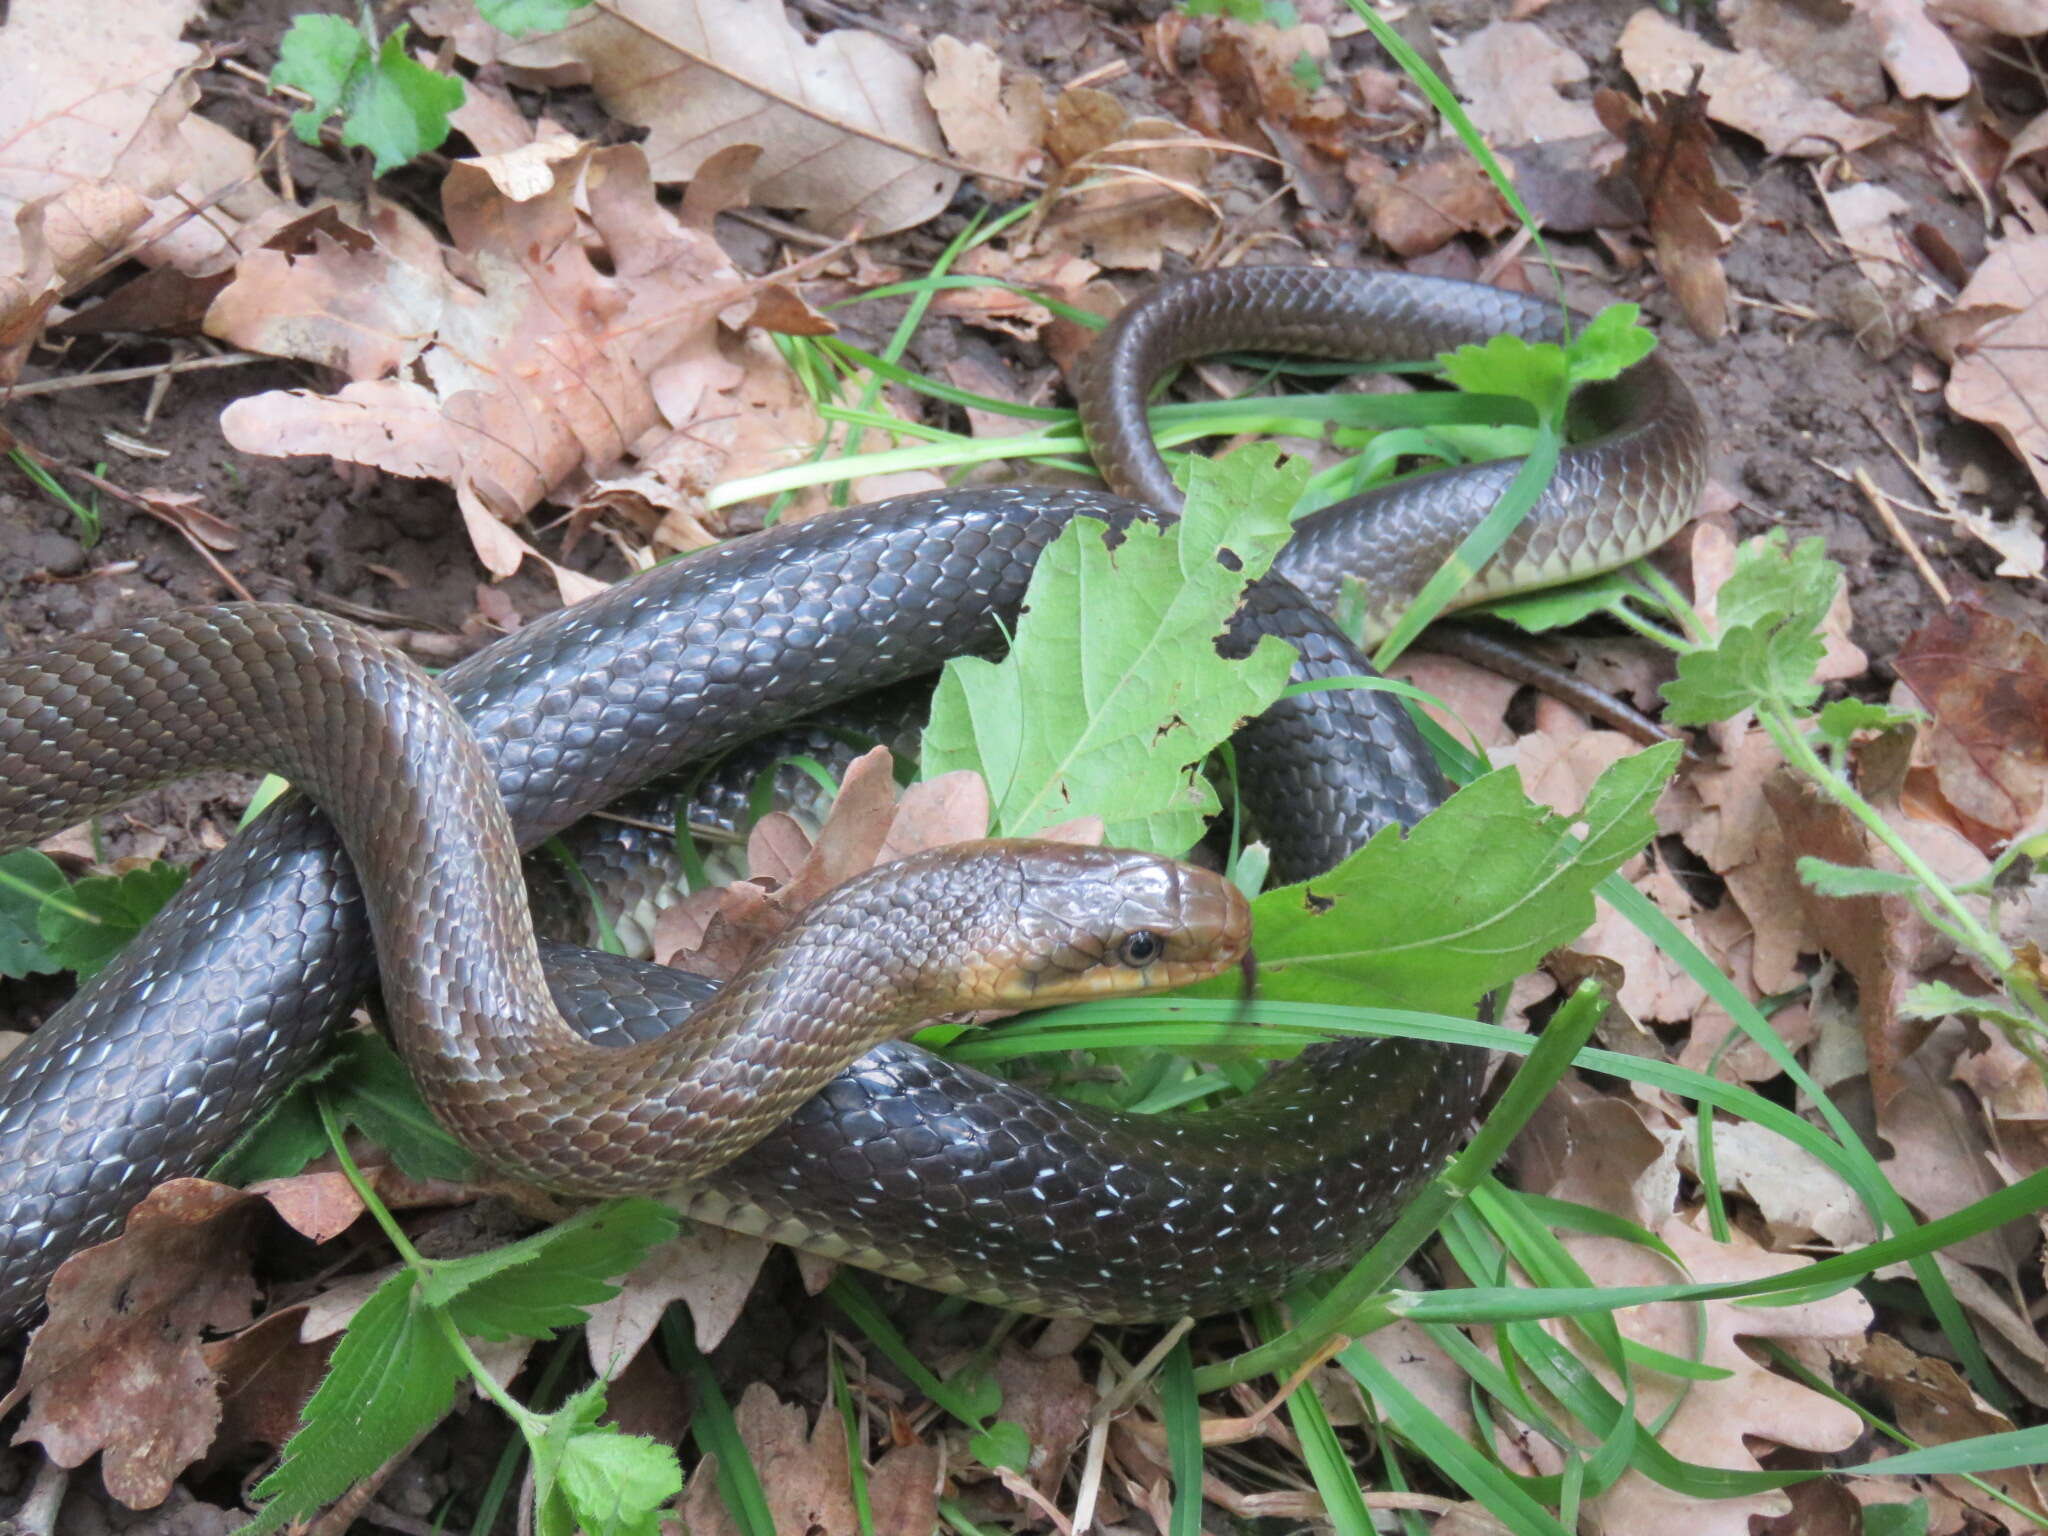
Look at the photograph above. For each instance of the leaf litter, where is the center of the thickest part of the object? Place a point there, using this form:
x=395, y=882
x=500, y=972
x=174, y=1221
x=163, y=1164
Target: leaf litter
x=564, y=337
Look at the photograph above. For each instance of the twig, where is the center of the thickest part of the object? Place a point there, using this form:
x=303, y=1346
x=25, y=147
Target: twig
x=1882, y=506
x=72, y=381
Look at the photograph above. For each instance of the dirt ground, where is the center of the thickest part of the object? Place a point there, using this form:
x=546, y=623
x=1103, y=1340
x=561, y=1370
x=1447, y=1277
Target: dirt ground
x=1794, y=402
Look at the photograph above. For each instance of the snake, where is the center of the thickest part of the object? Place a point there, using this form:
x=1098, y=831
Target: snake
x=902, y=1162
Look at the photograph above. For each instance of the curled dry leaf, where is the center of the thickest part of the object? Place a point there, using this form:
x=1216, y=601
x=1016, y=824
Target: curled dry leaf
x=846, y=136
x=1933, y=1405
x=1743, y=91
x=506, y=365
x=1127, y=189
x=1691, y=214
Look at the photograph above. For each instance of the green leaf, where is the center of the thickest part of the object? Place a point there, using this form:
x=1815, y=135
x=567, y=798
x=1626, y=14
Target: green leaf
x=371, y=1090
x=1770, y=611
x=1113, y=693
x=1560, y=607
x=591, y=1477
x=1002, y=1444
x=400, y=108
x=548, y=1281
x=26, y=879
x=1471, y=898
x=1907, y=1519
x=521, y=18
x=1534, y=371
x=1840, y=721
x=388, y=103
x=393, y=1376
x=103, y=912
x=1609, y=344
x=1937, y=1000
x=618, y=1484
x=1832, y=879
x=366, y=1086
x=319, y=55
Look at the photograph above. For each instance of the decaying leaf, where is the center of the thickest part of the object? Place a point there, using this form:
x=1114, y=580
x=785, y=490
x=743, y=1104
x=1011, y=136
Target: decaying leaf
x=1126, y=189
x=1428, y=202
x=507, y=365
x=709, y=1268
x=1742, y=90
x=1998, y=340
x=846, y=136
x=1984, y=681
x=1691, y=214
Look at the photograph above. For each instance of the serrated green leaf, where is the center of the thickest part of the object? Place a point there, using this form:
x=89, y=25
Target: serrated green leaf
x=1832, y=879
x=550, y=1280
x=1840, y=721
x=522, y=18
x=1113, y=692
x=1535, y=371
x=1002, y=1444
x=1745, y=667
x=1608, y=345
x=618, y=1484
x=1471, y=898
x=399, y=108
x=26, y=877
x=1937, y=1000
x=319, y=55
x=1772, y=584
x=393, y=1376
x=103, y=912
x=577, y=1416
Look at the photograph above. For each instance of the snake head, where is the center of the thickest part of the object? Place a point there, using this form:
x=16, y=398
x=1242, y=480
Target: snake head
x=1014, y=923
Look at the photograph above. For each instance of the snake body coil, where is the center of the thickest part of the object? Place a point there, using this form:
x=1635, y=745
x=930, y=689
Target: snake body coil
x=902, y=1163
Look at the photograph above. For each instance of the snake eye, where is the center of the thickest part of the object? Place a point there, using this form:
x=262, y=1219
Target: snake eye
x=1141, y=948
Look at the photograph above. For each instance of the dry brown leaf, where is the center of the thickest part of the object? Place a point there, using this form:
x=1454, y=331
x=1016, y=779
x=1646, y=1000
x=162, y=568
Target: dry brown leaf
x=1917, y=53
x=1432, y=201
x=1128, y=189
x=266, y=1373
x=993, y=125
x=1719, y=1421
x=119, y=1368
x=1691, y=214
x=1984, y=681
x=1510, y=74
x=1866, y=216
x=97, y=117
x=1997, y=336
x=1248, y=84
x=1832, y=51
x=507, y=365
x=1057, y=273
x=1743, y=91
x=710, y=1268
x=846, y=136
x=1800, y=1198
x=1935, y=1406
x=802, y=1472
x=1051, y=1402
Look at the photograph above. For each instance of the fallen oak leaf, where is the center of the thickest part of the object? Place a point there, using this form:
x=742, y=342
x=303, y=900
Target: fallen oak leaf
x=1984, y=681
x=845, y=133
x=507, y=386
x=1996, y=337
